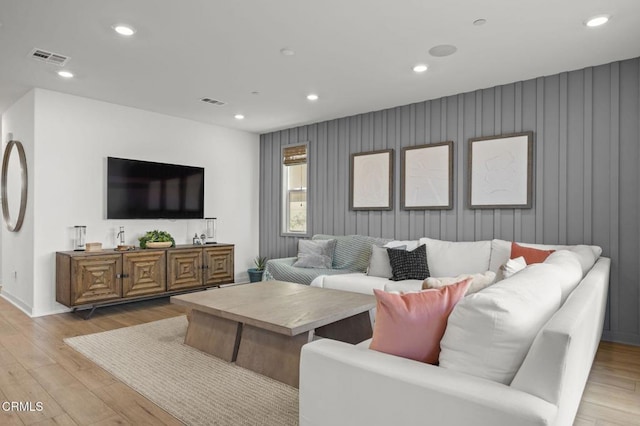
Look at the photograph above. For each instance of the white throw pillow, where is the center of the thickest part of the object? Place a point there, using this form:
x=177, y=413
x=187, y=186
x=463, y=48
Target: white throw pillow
x=450, y=259
x=478, y=281
x=489, y=333
x=513, y=266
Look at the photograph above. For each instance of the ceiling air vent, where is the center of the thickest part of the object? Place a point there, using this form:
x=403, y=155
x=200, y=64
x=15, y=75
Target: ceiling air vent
x=49, y=57
x=212, y=101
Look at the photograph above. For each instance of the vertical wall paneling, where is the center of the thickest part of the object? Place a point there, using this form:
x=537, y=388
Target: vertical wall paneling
x=614, y=186
x=497, y=124
x=517, y=214
x=540, y=166
x=562, y=161
x=459, y=145
x=586, y=126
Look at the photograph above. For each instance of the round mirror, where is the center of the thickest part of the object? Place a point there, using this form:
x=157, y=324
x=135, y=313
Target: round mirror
x=14, y=185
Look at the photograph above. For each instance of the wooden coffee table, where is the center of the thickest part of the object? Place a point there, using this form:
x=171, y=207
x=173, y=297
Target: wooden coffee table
x=263, y=326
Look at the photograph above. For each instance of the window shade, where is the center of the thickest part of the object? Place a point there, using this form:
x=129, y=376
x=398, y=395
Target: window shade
x=293, y=155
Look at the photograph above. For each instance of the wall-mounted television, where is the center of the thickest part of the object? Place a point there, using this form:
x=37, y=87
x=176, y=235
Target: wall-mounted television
x=148, y=190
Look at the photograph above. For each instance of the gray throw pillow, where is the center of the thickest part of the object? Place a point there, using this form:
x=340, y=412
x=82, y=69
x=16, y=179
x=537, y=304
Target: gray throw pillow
x=315, y=254
x=379, y=264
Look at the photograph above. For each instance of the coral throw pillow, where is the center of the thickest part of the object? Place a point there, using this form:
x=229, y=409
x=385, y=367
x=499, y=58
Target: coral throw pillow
x=411, y=325
x=530, y=255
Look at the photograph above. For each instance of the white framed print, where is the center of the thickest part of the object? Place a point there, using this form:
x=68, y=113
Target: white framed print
x=427, y=177
x=371, y=180
x=501, y=172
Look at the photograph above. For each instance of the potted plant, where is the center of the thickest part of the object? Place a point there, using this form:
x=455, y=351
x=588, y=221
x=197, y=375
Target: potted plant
x=255, y=274
x=156, y=239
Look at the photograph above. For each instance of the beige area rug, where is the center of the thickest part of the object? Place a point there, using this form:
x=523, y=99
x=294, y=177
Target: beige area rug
x=194, y=387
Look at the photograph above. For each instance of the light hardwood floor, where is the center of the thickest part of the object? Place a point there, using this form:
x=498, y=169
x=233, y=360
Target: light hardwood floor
x=36, y=365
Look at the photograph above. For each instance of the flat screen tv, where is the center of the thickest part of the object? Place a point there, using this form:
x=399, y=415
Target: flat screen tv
x=147, y=190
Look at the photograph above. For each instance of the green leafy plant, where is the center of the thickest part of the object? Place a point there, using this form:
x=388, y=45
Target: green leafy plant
x=260, y=262
x=156, y=236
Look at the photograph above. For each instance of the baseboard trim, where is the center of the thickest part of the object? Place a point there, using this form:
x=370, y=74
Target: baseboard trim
x=621, y=337
x=17, y=303
x=63, y=310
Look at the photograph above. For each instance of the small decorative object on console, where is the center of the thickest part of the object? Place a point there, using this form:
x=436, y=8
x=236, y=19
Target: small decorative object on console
x=210, y=235
x=93, y=247
x=79, y=238
x=155, y=236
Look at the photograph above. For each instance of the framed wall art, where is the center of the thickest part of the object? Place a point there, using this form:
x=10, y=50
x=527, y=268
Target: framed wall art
x=371, y=180
x=427, y=177
x=501, y=171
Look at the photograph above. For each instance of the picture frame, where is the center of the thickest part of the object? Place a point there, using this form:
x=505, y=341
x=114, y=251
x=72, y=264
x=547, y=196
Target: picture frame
x=427, y=177
x=501, y=172
x=371, y=180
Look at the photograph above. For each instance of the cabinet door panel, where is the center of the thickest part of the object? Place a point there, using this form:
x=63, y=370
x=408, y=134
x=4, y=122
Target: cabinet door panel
x=144, y=273
x=184, y=269
x=218, y=265
x=96, y=279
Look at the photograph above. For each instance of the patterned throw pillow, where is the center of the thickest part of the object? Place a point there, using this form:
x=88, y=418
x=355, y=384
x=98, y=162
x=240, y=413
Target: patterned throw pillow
x=409, y=265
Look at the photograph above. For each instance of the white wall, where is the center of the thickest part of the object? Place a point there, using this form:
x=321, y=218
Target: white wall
x=73, y=138
x=18, y=247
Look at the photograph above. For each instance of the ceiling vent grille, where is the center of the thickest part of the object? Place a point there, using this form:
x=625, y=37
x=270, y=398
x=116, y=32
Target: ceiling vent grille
x=212, y=101
x=49, y=57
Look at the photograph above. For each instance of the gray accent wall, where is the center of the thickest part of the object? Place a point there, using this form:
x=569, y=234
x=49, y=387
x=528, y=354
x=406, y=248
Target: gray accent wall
x=586, y=126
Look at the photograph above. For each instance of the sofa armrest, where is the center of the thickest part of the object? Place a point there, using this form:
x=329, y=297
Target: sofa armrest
x=559, y=360
x=342, y=384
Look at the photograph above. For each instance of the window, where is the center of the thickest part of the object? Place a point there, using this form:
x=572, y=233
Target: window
x=294, y=189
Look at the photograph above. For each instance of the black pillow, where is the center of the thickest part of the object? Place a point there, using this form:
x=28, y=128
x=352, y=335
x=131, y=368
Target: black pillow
x=409, y=265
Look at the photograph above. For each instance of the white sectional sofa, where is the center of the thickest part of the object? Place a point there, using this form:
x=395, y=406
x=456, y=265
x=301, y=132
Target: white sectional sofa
x=515, y=353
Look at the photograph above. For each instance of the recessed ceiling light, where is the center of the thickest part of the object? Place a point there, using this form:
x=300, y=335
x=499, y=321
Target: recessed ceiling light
x=420, y=68
x=124, y=30
x=596, y=21
x=65, y=74
x=312, y=97
x=287, y=52
x=239, y=117
x=443, y=50
x=479, y=22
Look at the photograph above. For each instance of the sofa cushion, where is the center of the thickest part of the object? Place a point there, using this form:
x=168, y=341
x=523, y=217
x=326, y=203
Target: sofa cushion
x=501, y=251
x=411, y=325
x=352, y=251
x=407, y=265
x=570, y=271
x=379, y=264
x=531, y=255
x=359, y=282
x=478, y=281
x=450, y=259
x=315, y=253
x=406, y=244
x=489, y=332
x=585, y=256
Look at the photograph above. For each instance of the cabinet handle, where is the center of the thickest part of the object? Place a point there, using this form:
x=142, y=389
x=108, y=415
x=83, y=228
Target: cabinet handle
x=118, y=275
x=205, y=266
x=122, y=275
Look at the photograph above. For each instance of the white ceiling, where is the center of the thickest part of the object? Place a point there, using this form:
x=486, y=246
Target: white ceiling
x=357, y=55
